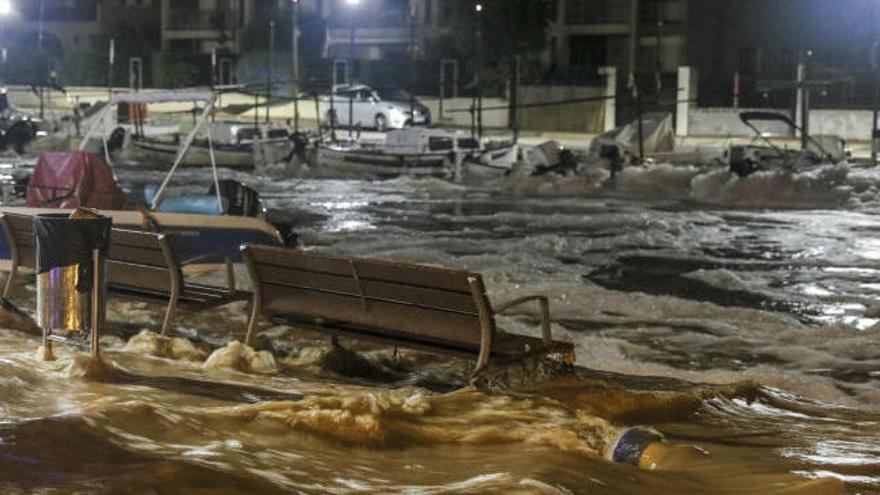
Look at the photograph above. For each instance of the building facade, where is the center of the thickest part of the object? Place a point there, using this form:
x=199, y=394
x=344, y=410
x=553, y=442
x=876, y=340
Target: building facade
x=589, y=34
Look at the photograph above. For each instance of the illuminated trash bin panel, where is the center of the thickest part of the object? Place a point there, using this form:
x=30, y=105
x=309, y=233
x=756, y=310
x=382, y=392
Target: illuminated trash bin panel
x=59, y=305
x=67, y=293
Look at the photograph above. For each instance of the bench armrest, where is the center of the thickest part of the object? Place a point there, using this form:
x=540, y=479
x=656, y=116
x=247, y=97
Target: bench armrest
x=545, y=312
x=230, y=269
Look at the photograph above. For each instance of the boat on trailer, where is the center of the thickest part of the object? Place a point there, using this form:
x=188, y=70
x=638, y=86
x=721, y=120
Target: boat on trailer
x=236, y=145
x=745, y=160
x=419, y=152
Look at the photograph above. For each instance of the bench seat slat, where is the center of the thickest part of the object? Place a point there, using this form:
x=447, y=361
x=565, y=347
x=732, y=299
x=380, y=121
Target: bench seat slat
x=386, y=271
x=135, y=239
x=372, y=289
x=421, y=323
x=506, y=345
x=145, y=256
x=132, y=275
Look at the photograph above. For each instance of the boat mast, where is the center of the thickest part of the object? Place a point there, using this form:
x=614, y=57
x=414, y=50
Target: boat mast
x=157, y=199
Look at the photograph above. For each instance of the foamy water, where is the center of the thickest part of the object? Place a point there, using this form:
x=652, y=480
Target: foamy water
x=747, y=337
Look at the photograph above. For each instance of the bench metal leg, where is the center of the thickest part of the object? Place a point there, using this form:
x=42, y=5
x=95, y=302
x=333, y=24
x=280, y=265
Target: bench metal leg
x=13, y=256
x=487, y=326
x=10, y=280
x=169, y=315
x=230, y=275
x=257, y=306
x=176, y=283
x=253, y=321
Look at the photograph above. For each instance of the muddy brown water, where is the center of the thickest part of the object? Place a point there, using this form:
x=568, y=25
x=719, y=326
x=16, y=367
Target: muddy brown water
x=758, y=364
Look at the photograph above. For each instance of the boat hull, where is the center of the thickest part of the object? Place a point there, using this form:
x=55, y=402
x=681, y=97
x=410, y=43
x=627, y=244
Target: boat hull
x=225, y=155
x=490, y=164
x=378, y=164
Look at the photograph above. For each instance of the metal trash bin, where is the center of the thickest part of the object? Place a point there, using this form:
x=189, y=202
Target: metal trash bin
x=71, y=281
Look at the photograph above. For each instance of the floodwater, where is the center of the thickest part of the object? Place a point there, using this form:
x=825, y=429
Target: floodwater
x=747, y=337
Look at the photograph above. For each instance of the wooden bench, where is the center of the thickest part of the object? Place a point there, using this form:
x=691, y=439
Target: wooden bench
x=405, y=305
x=140, y=265
x=19, y=232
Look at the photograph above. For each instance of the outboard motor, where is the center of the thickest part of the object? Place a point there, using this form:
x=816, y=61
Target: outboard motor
x=743, y=161
x=611, y=152
x=19, y=135
x=116, y=141
x=240, y=199
x=300, y=144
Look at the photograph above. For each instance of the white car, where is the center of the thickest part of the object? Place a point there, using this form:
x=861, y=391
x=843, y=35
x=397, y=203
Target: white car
x=377, y=109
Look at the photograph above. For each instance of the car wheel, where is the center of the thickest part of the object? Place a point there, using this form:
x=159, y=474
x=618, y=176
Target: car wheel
x=381, y=123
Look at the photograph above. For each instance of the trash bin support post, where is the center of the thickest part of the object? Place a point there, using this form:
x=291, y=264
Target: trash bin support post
x=96, y=301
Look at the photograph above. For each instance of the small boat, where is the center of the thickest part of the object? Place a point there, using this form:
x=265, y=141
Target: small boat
x=419, y=152
x=236, y=145
x=745, y=160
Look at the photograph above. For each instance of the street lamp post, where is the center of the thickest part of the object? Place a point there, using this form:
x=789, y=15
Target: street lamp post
x=269, y=77
x=352, y=4
x=43, y=61
x=875, y=66
x=412, y=62
x=294, y=23
x=5, y=11
x=479, y=10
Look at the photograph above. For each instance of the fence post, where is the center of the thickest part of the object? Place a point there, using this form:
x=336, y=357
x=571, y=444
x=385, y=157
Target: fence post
x=687, y=93
x=610, y=74
x=801, y=95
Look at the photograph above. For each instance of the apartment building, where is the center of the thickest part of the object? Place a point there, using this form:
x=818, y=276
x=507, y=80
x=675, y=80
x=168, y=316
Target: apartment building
x=373, y=29
x=76, y=24
x=589, y=34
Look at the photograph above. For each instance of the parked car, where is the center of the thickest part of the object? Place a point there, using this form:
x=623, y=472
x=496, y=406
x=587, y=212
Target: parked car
x=17, y=127
x=381, y=109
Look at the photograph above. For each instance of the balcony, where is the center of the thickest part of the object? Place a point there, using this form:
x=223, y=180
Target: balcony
x=199, y=20
x=383, y=19
x=581, y=12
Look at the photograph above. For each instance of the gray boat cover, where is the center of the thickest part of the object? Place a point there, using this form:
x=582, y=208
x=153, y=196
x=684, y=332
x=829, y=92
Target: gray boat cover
x=657, y=131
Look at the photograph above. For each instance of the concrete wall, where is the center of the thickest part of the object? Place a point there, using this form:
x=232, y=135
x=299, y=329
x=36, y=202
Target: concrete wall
x=852, y=125
x=456, y=111
x=586, y=117
x=726, y=122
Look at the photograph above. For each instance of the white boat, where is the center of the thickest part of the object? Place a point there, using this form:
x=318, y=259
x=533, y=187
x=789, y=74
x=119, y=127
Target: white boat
x=419, y=152
x=238, y=145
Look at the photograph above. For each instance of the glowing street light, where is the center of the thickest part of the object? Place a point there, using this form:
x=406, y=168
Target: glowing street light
x=479, y=7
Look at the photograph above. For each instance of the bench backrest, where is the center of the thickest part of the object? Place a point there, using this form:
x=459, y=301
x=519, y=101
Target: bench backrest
x=19, y=231
x=410, y=302
x=137, y=260
x=141, y=260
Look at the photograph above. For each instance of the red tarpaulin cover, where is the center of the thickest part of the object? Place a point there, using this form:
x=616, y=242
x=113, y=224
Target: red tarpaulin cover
x=68, y=179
